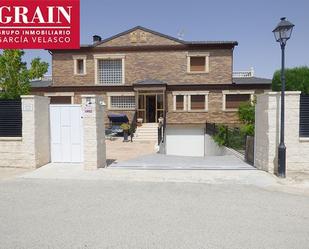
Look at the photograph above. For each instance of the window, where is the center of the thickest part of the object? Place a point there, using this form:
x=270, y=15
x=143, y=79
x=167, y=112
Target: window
x=79, y=64
x=180, y=102
x=56, y=100
x=190, y=101
x=80, y=67
x=198, y=102
x=232, y=100
x=198, y=63
x=110, y=71
x=122, y=102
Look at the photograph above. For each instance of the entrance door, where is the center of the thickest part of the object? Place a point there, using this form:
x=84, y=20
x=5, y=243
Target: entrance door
x=66, y=128
x=151, y=109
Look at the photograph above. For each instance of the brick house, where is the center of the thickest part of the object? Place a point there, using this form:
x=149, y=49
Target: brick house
x=151, y=75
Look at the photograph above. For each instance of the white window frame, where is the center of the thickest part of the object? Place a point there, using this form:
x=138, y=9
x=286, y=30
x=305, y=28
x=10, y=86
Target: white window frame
x=66, y=94
x=98, y=57
x=119, y=94
x=198, y=54
x=228, y=92
x=75, y=59
x=187, y=101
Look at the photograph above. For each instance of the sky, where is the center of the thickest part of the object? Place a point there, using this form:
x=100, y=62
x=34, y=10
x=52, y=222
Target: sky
x=246, y=21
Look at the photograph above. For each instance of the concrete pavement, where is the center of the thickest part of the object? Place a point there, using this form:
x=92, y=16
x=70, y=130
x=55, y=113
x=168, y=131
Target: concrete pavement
x=67, y=214
x=76, y=172
x=167, y=162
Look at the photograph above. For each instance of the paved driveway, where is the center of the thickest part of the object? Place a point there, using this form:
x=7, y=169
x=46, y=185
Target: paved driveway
x=117, y=151
x=164, y=162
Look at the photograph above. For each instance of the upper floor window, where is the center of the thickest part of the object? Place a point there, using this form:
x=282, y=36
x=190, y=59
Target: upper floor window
x=109, y=69
x=79, y=64
x=197, y=62
x=232, y=100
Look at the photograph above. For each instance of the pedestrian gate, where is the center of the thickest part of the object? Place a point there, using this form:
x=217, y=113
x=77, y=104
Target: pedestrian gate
x=66, y=128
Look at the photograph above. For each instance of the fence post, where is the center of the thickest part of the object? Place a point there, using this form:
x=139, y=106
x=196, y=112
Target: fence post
x=227, y=135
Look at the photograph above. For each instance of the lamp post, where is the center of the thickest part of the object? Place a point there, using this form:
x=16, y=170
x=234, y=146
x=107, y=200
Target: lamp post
x=282, y=33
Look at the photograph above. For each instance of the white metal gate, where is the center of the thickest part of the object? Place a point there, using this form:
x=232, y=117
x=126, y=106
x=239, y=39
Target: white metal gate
x=66, y=128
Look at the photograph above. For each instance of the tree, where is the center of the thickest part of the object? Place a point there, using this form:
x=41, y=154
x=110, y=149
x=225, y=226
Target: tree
x=297, y=79
x=14, y=75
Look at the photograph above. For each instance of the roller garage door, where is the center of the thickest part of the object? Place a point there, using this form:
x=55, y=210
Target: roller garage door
x=185, y=141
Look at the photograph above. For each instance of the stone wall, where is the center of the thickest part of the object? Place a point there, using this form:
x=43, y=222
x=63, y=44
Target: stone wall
x=32, y=150
x=94, y=132
x=267, y=130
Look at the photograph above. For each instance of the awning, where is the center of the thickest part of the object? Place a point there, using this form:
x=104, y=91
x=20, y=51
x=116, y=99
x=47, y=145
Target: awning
x=118, y=118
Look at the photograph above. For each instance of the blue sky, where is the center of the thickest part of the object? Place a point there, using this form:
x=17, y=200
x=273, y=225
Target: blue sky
x=249, y=22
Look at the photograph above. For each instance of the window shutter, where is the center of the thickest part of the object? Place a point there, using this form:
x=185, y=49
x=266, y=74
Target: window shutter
x=233, y=101
x=197, y=63
x=197, y=102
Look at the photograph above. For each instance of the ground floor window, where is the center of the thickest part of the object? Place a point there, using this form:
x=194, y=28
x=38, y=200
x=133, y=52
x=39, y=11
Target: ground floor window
x=232, y=100
x=122, y=102
x=198, y=102
x=190, y=101
x=180, y=102
x=60, y=98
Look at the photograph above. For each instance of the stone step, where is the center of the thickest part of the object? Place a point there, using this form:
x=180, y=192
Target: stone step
x=145, y=139
x=146, y=131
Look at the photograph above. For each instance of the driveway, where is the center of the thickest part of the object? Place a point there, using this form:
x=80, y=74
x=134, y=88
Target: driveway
x=164, y=162
x=118, y=151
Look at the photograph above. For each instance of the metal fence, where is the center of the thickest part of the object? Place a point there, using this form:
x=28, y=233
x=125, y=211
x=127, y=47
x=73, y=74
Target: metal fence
x=232, y=137
x=10, y=118
x=304, y=116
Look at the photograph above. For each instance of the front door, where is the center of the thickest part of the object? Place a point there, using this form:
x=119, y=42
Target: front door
x=66, y=130
x=151, y=109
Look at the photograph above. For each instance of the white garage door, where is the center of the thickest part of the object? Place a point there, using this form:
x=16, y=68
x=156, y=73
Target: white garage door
x=66, y=129
x=183, y=141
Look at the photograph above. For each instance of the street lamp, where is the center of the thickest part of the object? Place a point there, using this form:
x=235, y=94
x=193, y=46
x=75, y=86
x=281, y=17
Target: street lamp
x=282, y=33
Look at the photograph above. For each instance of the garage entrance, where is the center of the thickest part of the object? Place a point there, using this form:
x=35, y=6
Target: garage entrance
x=66, y=130
x=185, y=141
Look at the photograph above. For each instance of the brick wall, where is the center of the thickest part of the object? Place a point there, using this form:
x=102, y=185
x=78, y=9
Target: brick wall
x=150, y=39
x=215, y=114
x=167, y=66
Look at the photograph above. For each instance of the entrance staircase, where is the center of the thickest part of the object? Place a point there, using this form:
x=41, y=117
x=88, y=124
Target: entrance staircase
x=146, y=132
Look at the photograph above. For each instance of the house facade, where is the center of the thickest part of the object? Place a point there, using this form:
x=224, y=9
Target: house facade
x=151, y=75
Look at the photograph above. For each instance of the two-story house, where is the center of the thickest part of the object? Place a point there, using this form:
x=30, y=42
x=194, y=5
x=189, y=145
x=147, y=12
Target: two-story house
x=147, y=73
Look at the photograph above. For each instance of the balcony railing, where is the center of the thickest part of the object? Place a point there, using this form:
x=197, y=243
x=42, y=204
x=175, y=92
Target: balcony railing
x=244, y=74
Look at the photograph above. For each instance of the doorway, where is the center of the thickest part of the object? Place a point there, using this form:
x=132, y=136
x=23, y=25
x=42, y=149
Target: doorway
x=151, y=108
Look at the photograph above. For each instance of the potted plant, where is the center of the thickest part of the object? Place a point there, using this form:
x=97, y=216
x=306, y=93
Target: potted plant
x=139, y=122
x=126, y=128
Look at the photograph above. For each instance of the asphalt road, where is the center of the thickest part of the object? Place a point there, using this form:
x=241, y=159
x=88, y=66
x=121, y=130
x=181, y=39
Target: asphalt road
x=39, y=214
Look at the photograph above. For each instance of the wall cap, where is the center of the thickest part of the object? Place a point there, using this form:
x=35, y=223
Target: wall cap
x=304, y=139
x=88, y=96
x=11, y=138
x=27, y=96
x=286, y=93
